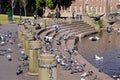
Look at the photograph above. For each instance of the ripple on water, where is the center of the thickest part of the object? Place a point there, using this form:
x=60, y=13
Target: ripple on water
x=108, y=46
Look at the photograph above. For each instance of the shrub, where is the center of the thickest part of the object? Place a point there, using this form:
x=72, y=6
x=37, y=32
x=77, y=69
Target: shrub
x=100, y=23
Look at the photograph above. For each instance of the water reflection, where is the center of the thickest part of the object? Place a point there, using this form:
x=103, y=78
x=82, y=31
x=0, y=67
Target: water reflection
x=108, y=46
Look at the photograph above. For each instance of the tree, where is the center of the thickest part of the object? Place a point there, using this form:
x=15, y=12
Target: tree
x=23, y=3
x=38, y=4
x=49, y=3
x=12, y=3
x=20, y=4
x=41, y=4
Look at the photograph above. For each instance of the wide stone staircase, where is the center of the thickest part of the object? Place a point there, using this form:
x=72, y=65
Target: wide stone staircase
x=76, y=28
x=66, y=36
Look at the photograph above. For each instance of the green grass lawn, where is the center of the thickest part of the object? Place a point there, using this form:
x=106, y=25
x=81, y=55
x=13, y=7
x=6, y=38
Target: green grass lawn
x=4, y=19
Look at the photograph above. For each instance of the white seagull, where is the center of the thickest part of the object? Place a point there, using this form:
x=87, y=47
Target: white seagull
x=98, y=58
x=94, y=38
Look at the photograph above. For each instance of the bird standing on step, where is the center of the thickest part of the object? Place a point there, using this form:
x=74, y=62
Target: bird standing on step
x=57, y=28
x=109, y=27
x=94, y=38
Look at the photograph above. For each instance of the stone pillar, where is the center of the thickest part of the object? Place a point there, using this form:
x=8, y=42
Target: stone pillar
x=35, y=51
x=23, y=40
x=29, y=37
x=47, y=67
x=22, y=34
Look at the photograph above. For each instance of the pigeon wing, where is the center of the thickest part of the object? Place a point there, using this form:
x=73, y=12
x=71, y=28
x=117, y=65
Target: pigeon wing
x=92, y=17
x=101, y=15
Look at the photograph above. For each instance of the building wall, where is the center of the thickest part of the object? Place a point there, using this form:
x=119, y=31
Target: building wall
x=91, y=7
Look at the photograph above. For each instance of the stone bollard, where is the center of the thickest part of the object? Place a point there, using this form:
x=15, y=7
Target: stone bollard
x=34, y=52
x=69, y=20
x=23, y=38
x=47, y=67
x=20, y=32
x=29, y=37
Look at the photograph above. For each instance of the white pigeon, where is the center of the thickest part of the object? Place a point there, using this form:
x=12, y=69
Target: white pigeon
x=118, y=30
x=9, y=57
x=22, y=52
x=2, y=43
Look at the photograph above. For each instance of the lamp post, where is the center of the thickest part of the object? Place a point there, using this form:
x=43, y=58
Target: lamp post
x=43, y=11
x=0, y=6
x=20, y=15
x=57, y=4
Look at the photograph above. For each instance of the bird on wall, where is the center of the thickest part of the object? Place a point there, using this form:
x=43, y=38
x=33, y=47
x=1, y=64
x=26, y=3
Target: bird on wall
x=111, y=21
x=97, y=18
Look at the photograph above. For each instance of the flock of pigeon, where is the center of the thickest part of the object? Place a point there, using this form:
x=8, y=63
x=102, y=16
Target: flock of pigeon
x=65, y=58
x=68, y=62
x=6, y=39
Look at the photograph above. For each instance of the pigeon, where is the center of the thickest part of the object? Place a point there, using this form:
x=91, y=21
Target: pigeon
x=24, y=56
x=19, y=70
x=111, y=22
x=38, y=26
x=9, y=57
x=109, y=29
x=58, y=42
x=94, y=38
x=76, y=40
x=97, y=18
x=19, y=45
x=2, y=43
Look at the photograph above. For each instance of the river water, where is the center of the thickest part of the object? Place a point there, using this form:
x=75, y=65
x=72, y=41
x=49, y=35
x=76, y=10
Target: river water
x=108, y=47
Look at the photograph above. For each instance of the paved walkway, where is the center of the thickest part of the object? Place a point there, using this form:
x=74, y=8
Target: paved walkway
x=8, y=68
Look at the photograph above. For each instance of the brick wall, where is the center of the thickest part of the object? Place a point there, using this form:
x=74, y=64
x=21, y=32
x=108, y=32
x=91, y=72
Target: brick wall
x=90, y=7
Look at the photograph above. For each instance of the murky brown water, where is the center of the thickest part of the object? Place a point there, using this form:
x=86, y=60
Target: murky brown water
x=108, y=47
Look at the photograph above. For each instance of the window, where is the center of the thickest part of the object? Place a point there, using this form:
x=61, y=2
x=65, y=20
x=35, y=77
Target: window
x=100, y=9
x=96, y=10
x=91, y=9
x=69, y=9
x=81, y=9
x=75, y=8
x=111, y=9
